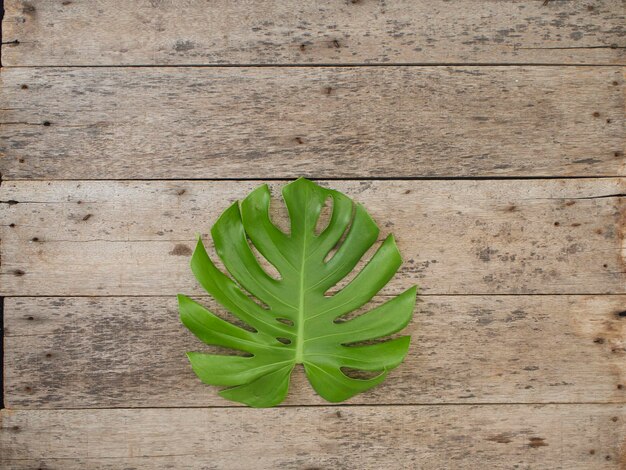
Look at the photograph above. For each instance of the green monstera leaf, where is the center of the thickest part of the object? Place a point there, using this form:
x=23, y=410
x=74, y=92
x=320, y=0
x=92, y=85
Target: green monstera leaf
x=293, y=318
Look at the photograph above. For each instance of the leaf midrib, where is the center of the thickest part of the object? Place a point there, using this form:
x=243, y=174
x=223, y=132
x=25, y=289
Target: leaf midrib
x=300, y=319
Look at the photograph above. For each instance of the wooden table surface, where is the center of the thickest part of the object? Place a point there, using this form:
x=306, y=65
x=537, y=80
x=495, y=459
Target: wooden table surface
x=487, y=135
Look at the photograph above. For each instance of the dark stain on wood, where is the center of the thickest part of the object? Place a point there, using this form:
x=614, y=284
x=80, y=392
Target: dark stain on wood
x=181, y=250
x=28, y=8
x=182, y=46
x=535, y=442
x=500, y=438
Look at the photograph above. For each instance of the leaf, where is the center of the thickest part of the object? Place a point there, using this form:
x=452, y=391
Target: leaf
x=293, y=320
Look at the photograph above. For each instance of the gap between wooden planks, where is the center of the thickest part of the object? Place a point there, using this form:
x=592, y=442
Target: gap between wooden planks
x=329, y=122
x=102, y=352
x=49, y=32
x=456, y=237
x=428, y=437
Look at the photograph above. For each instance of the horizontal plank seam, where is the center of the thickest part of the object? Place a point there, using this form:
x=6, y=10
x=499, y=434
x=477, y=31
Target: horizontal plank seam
x=87, y=458
x=334, y=405
x=339, y=178
x=488, y=294
x=327, y=65
x=153, y=296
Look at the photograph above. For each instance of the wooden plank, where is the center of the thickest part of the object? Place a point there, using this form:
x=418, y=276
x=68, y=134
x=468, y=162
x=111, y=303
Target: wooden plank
x=428, y=437
x=150, y=123
x=457, y=237
x=50, y=32
x=129, y=352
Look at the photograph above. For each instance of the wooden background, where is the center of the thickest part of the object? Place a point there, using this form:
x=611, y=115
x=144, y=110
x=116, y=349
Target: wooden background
x=487, y=135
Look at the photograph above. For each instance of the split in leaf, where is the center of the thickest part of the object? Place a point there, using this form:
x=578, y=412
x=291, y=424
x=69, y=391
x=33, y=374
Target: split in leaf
x=292, y=319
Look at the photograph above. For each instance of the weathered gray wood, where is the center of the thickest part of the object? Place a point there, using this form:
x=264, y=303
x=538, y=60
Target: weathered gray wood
x=129, y=352
x=456, y=237
x=107, y=32
x=150, y=123
x=426, y=437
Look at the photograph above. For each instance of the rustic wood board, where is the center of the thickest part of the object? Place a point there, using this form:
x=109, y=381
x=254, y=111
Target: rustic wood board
x=150, y=123
x=102, y=352
x=487, y=135
x=347, y=437
x=149, y=32
x=457, y=237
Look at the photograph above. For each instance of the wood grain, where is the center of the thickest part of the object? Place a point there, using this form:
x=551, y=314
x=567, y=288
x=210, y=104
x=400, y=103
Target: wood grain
x=129, y=352
x=107, y=32
x=456, y=237
x=425, y=437
x=150, y=123
x=518, y=357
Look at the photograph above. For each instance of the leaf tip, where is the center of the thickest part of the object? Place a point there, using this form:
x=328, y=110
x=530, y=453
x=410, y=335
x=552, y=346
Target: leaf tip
x=183, y=302
x=301, y=182
x=414, y=290
x=199, y=244
x=263, y=188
